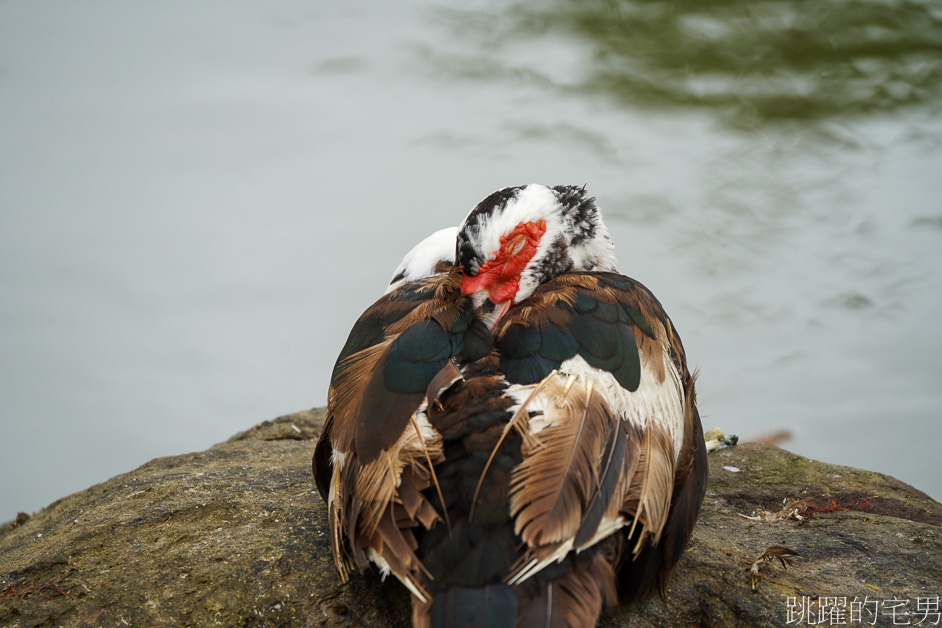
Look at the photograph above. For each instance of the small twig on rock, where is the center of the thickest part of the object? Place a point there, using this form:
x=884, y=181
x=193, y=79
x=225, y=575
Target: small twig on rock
x=782, y=553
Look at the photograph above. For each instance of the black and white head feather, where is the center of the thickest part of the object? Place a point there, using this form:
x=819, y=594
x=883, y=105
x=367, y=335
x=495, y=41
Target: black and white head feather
x=576, y=238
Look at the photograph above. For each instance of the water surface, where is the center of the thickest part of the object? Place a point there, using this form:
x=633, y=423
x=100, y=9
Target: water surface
x=198, y=200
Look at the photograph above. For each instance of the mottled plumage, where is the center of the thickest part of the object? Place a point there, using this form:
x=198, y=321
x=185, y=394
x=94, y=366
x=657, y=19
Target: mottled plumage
x=516, y=437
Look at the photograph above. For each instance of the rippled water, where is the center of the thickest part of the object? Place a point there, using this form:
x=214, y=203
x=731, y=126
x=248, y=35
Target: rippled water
x=198, y=199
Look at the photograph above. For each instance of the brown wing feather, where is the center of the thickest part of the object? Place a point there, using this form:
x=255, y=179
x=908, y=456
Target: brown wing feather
x=652, y=567
x=346, y=393
x=645, y=491
x=649, y=495
x=572, y=601
x=375, y=499
x=357, y=388
x=587, y=470
x=320, y=462
x=618, y=465
x=553, y=485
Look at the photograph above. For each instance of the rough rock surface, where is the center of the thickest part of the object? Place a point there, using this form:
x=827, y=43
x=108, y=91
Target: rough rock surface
x=236, y=536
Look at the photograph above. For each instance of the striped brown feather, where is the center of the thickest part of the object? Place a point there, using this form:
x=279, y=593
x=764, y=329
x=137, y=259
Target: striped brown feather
x=358, y=392
x=588, y=476
x=649, y=494
x=553, y=486
x=571, y=601
x=365, y=492
x=652, y=568
x=345, y=395
x=634, y=490
x=368, y=503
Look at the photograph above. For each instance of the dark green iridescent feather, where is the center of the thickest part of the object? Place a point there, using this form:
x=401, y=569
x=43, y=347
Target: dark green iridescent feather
x=558, y=344
x=527, y=370
x=595, y=337
x=623, y=360
x=416, y=356
x=370, y=329
x=475, y=343
x=634, y=315
x=521, y=342
x=601, y=333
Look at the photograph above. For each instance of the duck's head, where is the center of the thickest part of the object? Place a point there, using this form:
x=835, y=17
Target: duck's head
x=519, y=237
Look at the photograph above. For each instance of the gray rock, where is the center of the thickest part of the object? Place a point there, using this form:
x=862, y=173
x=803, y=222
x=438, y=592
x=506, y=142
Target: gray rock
x=237, y=535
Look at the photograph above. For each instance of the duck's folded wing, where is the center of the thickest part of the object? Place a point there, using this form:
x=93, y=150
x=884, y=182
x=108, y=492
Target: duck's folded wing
x=378, y=450
x=600, y=377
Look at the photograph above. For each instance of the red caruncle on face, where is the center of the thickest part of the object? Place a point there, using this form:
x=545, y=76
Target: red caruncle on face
x=500, y=276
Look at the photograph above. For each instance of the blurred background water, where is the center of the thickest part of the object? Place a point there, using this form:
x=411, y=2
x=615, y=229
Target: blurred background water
x=197, y=200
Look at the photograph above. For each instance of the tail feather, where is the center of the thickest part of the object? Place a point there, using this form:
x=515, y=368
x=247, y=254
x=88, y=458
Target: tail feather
x=573, y=600
x=492, y=606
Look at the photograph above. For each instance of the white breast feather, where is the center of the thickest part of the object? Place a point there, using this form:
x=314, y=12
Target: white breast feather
x=654, y=402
